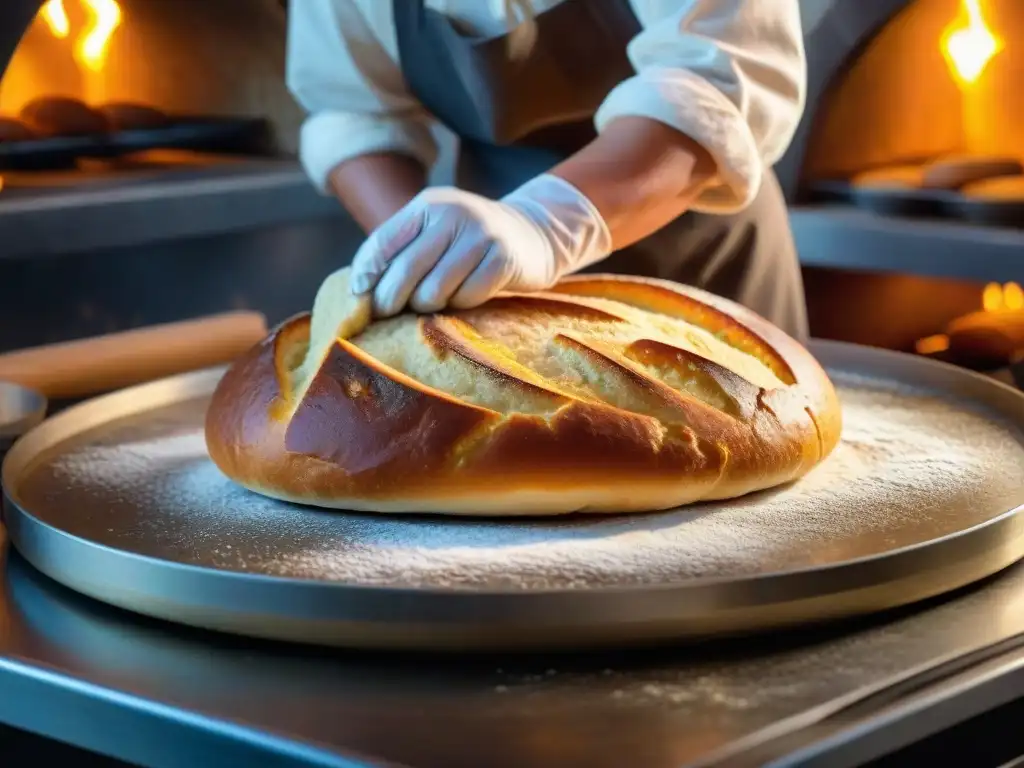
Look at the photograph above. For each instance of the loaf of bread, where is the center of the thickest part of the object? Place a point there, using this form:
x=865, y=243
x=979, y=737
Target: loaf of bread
x=605, y=394
x=125, y=116
x=1003, y=189
x=950, y=172
x=62, y=116
x=890, y=177
x=954, y=171
x=12, y=129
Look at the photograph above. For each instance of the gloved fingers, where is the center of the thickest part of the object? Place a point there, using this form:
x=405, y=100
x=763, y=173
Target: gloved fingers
x=434, y=292
x=413, y=263
x=491, y=275
x=383, y=246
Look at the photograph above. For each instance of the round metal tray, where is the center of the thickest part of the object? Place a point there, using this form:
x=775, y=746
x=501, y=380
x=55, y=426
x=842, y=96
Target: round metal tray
x=116, y=498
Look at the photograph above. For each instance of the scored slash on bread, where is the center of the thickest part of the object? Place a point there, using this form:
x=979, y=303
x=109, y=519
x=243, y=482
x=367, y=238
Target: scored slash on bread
x=337, y=314
x=603, y=394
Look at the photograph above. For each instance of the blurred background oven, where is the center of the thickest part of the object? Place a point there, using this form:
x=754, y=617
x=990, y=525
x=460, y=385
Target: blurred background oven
x=905, y=176
x=148, y=170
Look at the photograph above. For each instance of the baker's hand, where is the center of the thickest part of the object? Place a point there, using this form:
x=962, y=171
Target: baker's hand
x=448, y=247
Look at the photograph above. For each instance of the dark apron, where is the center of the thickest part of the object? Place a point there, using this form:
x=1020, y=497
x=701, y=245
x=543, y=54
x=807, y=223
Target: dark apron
x=516, y=119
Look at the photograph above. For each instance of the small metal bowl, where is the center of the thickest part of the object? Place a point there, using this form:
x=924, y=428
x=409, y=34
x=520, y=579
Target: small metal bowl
x=20, y=410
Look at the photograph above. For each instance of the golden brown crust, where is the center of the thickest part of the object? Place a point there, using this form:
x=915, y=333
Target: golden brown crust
x=647, y=423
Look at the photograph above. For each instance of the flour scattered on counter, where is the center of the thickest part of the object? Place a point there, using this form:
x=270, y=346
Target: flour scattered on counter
x=909, y=466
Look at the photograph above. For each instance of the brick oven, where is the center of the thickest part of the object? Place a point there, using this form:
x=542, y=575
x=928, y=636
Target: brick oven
x=905, y=178
x=129, y=120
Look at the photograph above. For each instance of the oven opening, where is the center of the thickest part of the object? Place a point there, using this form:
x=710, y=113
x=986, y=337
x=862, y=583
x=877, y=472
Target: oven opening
x=927, y=120
x=906, y=177
x=102, y=92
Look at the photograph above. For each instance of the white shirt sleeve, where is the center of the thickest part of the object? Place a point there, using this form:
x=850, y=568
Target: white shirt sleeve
x=730, y=74
x=351, y=87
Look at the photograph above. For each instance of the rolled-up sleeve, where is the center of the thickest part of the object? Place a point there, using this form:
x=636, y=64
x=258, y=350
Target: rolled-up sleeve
x=730, y=74
x=353, y=91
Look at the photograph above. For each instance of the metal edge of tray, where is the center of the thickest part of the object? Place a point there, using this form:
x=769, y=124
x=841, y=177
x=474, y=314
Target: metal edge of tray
x=459, y=619
x=28, y=407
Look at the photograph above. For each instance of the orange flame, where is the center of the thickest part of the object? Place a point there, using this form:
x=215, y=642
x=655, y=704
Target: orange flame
x=932, y=345
x=968, y=47
x=56, y=18
x=91, y=47
x=998, y=297
x=106, y=17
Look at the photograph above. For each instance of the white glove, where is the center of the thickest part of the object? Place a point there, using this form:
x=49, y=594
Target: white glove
x=448, y=247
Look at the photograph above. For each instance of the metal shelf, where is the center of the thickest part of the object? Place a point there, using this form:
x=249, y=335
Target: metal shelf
x=150, y=208
x=840, y=236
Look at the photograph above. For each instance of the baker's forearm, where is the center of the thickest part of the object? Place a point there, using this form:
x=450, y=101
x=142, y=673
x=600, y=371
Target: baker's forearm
x=374, y=187
x=640, y=175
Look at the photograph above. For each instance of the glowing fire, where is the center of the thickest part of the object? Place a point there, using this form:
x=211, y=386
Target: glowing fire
x=91, y=47
x=932, y=345
x=56, y=18
x=969, y=46
x=998, y=297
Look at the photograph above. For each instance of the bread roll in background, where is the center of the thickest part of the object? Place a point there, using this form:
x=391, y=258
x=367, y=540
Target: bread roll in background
x=606, y=394
x=944, y=173
x=12, y=129
x=62, y=116
x=955, y=171
x=1003, y=189
x=890, y=177
x=124, y=116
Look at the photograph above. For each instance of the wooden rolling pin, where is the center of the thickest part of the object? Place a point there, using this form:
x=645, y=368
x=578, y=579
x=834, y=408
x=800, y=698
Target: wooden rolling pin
x=89, y=366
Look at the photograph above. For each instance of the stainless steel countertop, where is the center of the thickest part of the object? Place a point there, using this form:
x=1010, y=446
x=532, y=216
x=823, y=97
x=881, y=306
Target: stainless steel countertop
x=76, y=670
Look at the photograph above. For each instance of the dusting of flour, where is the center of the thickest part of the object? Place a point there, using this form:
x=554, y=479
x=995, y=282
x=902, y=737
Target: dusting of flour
x=910, y=467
